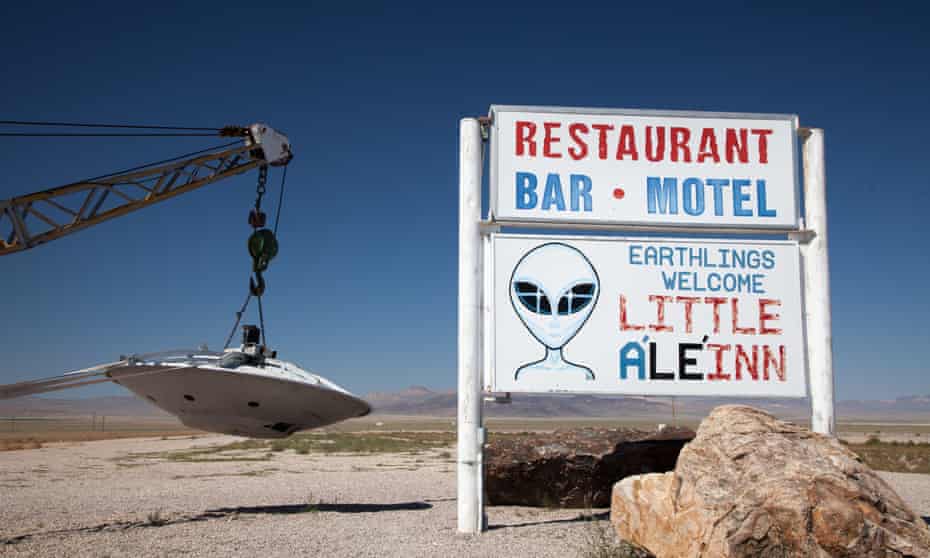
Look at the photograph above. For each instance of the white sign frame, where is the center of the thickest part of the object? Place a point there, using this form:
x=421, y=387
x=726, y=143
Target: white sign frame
x=498, y=214
x=811, y=233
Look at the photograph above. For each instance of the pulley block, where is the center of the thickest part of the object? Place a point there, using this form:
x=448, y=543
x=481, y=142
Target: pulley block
x=263, y=247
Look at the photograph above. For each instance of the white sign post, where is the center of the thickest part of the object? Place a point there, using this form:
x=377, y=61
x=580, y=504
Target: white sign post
x=817, y=285
x=470, y=432
x=674, y=316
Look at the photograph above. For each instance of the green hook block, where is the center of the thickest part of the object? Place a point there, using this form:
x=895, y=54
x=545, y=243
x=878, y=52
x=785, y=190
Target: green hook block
x=263, y=247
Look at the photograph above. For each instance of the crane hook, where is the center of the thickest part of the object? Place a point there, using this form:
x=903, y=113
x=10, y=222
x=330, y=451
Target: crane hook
x=257, y=288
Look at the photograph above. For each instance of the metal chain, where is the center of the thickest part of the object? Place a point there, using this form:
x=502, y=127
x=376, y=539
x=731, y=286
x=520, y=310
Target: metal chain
x=257, y=220
x=256, y=223
x=257, y=283
x=260, y=189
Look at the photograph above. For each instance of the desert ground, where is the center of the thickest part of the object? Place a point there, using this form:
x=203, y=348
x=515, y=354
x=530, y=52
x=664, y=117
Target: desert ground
x=376, y=488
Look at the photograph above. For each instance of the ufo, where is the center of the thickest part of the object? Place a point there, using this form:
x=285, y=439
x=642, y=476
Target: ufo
x=244, y=392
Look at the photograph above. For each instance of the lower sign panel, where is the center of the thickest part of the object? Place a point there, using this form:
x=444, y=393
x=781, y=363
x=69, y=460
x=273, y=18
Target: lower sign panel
x=644, y=316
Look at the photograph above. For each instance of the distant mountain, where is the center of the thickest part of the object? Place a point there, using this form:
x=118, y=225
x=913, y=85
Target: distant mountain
x=422, y=401
x=916, y=405
x=409, y=396
x=580, y=406
x=419, y=400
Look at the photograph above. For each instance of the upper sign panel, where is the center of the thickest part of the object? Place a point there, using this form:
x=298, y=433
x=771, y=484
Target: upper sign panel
x=631, y=167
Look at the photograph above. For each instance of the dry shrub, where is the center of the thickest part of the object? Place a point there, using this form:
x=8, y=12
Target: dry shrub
x=601, y=541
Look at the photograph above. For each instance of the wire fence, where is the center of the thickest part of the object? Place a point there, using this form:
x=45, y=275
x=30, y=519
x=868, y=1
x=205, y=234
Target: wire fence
x=93, y=423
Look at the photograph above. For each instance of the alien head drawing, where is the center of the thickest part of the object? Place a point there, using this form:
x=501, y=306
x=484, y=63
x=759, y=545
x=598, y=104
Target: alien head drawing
x=553, y=289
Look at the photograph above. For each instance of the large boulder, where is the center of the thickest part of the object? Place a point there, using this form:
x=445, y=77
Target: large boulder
x=752, y=485
x=574, y=468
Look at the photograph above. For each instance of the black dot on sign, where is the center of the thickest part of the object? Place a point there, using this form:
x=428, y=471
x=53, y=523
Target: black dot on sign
x=253, y=403
x=188, y=397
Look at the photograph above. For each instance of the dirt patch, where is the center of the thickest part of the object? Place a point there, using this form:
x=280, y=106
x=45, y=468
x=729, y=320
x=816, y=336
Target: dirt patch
x=89, y=436
x=127, y=498
x=19, y=444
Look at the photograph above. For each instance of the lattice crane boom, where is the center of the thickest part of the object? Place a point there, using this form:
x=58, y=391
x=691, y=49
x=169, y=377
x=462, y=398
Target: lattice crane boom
x=34, y=219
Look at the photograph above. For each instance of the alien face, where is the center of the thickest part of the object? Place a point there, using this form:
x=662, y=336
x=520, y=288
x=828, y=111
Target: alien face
x=554, y=289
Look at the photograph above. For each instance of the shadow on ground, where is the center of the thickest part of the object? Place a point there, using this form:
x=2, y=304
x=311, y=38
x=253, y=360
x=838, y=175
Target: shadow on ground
x=157, y=520
x=338, y=508
x=580, y=518
x=926, y=519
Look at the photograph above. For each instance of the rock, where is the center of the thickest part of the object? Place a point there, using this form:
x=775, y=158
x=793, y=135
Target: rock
x=752, y=485
x=574, y=468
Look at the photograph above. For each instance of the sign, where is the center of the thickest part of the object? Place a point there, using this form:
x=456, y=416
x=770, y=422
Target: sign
x=596, y=166
x=644, y=316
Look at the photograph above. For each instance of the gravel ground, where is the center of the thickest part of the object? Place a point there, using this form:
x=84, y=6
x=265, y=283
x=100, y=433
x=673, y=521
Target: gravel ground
x=120, y=498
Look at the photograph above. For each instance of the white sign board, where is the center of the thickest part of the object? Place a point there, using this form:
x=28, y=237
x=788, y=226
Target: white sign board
x=643, y=316
x=598, y=166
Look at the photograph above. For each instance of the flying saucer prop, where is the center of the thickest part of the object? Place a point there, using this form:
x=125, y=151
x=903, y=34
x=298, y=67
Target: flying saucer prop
x=239, y=391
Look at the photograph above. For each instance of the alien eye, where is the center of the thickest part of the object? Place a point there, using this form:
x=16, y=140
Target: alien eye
x=576, y=298
x=532, y=297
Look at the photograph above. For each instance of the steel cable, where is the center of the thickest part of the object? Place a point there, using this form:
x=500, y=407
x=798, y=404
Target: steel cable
x=90, y=125
x=163, y=161
x=277, y=216
x=261, y=321
x=100, y=134
x=238, y=319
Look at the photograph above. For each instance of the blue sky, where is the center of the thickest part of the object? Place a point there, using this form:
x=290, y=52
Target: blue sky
x=364, y=289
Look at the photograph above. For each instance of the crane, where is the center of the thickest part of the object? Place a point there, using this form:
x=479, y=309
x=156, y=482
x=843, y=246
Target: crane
x=33, y=219
x=245, y=391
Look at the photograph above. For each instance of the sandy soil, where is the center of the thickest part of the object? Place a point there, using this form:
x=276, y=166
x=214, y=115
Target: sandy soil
x=123, y=498
x=107, y=499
